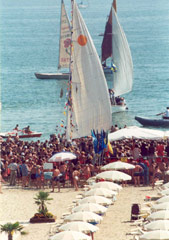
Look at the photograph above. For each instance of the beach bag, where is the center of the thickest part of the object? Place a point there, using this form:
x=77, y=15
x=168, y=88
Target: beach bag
x=135, y=211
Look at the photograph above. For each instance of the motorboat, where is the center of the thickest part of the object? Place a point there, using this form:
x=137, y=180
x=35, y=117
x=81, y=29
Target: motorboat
x=20, y=134
x=163, y=122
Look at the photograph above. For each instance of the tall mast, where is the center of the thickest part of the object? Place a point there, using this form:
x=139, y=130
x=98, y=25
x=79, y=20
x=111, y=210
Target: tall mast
x=114, y=5
x=60, y=34
x=69, y=100
x=114, y=8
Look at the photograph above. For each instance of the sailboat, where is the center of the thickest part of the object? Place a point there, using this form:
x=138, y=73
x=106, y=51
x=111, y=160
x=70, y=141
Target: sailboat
x=64, y=48
x=88, y=105
x=116, y=47
x=82, y=5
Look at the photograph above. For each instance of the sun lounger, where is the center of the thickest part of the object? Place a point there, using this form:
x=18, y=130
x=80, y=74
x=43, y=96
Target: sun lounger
x=65, y=214
x=54, y=228
x=139, y=222
x=135, y=233
x=79, y=196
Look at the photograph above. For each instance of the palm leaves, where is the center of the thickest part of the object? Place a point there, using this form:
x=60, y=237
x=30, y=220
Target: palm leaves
x=40, y=200
x=10, y=228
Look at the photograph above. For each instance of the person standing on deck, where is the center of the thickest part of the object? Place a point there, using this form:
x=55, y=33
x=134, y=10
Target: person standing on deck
x=16, y=127
x=166, y=114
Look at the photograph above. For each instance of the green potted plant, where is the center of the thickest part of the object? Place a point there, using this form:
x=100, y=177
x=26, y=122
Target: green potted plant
x=43, y=215
x=10, y=228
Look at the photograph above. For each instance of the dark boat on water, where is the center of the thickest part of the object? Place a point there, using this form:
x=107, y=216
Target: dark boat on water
x=164, y=122
x=58, y=76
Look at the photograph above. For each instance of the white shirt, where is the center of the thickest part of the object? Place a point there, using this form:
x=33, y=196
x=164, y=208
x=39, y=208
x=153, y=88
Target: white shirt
x=136, y=153
x=167, y=113
x=13, y=166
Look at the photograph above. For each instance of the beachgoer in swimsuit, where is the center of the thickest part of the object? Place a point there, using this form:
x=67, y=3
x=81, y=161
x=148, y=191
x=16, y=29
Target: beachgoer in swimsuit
x=87, y=172
x=63, y=168
x=75, y=175
x=33, y=175
x=152, y=172
x=27, y=129
x=137, y=173
x=16, y=127
x=157, y=174
x=55, y=178
x=1, y=180
x=38, y=177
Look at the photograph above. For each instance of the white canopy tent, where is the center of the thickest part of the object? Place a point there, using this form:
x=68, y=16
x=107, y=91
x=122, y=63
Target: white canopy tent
x=138, y=133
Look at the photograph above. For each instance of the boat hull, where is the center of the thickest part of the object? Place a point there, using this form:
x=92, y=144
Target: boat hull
x=30, y=135
x=82, y=6
x=58, y=76
x=24, y=135
x=107, y=70
x=64, y=76
x=118, y=108
x=153, y=122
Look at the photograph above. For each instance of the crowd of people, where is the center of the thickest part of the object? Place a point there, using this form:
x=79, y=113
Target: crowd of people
x=23, y=161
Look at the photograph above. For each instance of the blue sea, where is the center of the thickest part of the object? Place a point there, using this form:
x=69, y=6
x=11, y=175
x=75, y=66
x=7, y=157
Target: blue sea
x=29, y=42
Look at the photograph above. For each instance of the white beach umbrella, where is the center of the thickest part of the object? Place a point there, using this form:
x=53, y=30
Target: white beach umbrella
x=163, y=199
x=157, y=225
x=85, y=216
x=164, y=192
x=118, y=165
x=136, y=132
x=70, y=235
x=109, y=185
x=166, y=185
x=62, y=156
x=113, y=176
x=84, y=227
x=91, y=179
x=96, y=199
x=160, y=206
x=159, y=215
x=91, y=207
x=155, y=235
x=100, y=192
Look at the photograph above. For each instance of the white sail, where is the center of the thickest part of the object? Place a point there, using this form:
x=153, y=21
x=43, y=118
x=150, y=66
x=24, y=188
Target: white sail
x=65, y=39
x=121, y=55
x=91, y=108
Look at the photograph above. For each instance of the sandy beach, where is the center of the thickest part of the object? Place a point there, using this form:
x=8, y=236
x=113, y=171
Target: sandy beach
x=18, y=205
